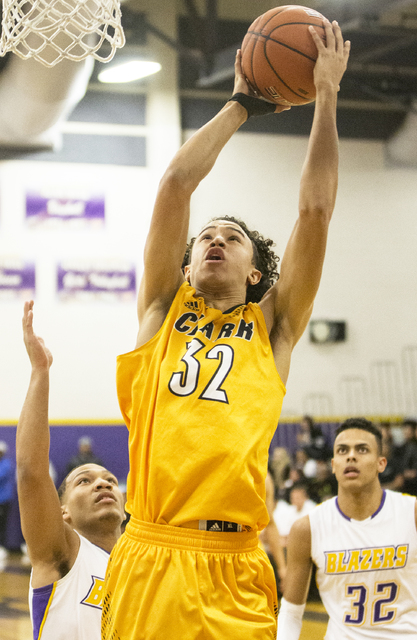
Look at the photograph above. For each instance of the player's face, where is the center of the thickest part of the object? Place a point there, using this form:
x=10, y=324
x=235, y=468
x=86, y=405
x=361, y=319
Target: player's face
x=356, y=461
x=92, y=497
x=222, y=252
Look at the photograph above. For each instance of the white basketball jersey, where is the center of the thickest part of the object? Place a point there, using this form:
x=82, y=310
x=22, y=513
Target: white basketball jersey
x=367, y=570
x=70, y=609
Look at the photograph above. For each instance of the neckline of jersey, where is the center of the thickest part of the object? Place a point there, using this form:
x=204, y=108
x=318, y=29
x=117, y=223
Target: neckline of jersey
x=225, y=313
x=381, y=504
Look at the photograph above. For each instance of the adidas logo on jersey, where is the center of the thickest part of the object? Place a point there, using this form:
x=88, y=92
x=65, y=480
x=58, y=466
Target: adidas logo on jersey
x=215, y=527
x=192, y=305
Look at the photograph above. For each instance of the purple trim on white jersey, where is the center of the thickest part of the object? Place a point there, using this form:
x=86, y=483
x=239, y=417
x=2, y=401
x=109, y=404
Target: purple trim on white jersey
x=40, y=600
x=381, y=504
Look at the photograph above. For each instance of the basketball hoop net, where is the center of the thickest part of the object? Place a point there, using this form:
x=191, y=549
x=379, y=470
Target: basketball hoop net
x=53, y=30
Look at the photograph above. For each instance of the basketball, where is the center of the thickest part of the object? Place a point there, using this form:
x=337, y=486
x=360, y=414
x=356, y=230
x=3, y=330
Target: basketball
x=279, y=54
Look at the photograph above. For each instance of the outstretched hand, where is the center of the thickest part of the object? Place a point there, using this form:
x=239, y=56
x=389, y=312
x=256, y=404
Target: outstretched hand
x=332, y=56
x=243, y=86
x=39, y=354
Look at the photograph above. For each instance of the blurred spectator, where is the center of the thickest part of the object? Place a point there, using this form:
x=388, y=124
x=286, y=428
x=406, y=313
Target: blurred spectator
x=6, y=494
x=391, y=477
x=304, y=433
x=295, y=476
x=407, y=455
x=280, y=463
x=286, y=514
x=84, y=456
x=305, y=464
x=310, y=438
x=324, y=485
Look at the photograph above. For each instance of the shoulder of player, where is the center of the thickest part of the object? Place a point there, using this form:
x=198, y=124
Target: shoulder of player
x=156, y=300
x=299, y=541
x=151, y=314
x=301, y=531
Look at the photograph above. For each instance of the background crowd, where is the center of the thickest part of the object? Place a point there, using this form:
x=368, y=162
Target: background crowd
x=299, y=479
x=303, y=478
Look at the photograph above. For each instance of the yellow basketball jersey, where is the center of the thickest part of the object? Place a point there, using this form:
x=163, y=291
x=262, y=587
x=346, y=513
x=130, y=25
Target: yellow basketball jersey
x=201, y=401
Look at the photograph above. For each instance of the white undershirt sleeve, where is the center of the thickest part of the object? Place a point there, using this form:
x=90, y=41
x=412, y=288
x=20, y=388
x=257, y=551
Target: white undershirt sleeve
x=290, y=620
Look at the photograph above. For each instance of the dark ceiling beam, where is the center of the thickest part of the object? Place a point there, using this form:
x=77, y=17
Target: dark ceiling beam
x=356, y=10
x=210, y=34
x=186, y=52
x=387, y=70
x=224, y=71
x=389, y=47
x=196, y=22
x=360, y=10
x=343, y=103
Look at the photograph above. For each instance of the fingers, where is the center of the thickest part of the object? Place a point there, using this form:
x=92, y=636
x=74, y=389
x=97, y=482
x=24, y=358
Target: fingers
x=317, y=40
x=27, y=314
x=330, y=28
x=241, y=85
x=346, y=49
x=282, y=107
x=334, y=38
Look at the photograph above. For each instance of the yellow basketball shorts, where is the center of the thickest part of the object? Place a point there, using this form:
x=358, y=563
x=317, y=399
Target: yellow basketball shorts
x=171, y=583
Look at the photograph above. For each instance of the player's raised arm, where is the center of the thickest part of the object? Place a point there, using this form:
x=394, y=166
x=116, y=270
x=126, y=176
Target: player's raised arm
x=303, y=258
x=50, y=541
x=166, y=242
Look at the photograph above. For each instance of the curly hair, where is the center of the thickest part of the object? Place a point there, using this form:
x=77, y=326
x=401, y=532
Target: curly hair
x=264, y=259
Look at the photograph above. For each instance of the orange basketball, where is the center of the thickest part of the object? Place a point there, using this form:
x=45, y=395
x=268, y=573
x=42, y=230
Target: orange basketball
x=279, y=54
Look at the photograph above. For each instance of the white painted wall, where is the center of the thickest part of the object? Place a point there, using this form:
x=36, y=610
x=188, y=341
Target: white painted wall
x=369, y=278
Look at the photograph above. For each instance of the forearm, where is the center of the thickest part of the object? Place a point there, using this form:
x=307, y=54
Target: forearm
x=32, y=435
x=197, y=156
x=276, y=547
x=320, y=171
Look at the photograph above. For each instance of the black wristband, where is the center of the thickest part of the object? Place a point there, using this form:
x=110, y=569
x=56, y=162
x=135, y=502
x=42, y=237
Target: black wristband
x=254, y=106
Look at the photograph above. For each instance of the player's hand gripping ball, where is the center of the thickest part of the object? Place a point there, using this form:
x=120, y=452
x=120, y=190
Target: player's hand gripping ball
x=279, y=54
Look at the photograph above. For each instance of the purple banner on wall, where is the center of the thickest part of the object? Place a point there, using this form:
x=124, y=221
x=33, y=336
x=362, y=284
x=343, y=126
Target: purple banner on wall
x=81, y=282
x=17, y=279
x=55, y=210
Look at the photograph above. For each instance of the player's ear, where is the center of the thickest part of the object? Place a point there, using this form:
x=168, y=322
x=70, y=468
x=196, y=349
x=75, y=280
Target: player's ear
x=254, y=276
x=65, y=514
x=332, y=463
x=382, y=463
x=187, y=270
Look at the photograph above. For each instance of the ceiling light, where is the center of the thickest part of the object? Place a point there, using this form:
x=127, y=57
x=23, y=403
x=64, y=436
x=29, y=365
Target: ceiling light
x=129, y=71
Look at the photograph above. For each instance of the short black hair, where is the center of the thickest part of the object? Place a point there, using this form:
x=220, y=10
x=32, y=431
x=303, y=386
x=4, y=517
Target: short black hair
x=62, y=488
x=302, y=486
x=264, y=259
x=410, y=422
x=365, y=425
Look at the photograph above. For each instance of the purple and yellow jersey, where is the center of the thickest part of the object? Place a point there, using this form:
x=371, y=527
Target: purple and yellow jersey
x=367, y=569
x=71, y=607
x=201, y=401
